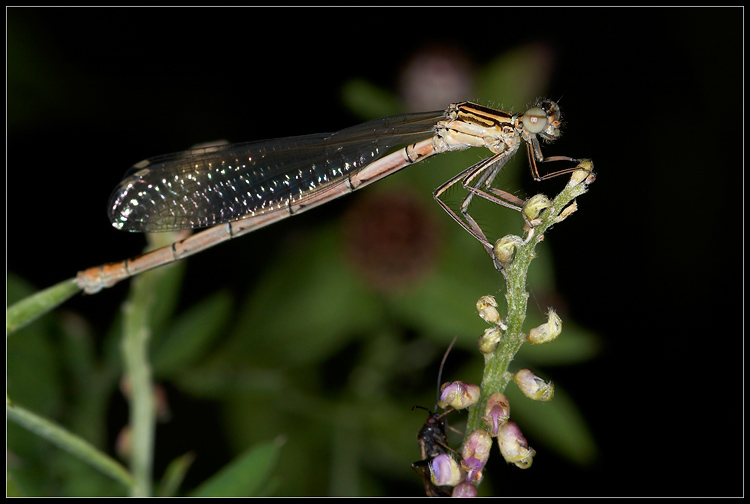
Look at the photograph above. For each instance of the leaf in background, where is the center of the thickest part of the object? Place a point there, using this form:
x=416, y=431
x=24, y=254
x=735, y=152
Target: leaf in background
x=369, y=101
x=305, y=307
x=174, y=475
x=246, y=475
x=191, y=334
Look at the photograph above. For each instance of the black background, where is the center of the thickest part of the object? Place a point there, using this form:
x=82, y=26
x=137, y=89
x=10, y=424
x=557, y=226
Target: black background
x=657, y=99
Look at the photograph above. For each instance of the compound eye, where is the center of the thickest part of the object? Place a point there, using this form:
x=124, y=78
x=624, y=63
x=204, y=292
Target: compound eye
x=535, y=120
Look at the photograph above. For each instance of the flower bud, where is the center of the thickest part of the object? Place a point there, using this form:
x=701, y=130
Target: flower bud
x=487, y=308
x=505, y=248
x=586, y=173
x=458, y=395
x=475, y=454
x=548, y=331
x=496, y=412
x=464, y=489
x=488, y=341
x=514, y=447
x=444, y=471
x=534, y=387
x=535, y=206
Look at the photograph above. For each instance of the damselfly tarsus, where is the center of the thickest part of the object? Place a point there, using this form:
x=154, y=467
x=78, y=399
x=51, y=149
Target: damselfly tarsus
x=235, y=189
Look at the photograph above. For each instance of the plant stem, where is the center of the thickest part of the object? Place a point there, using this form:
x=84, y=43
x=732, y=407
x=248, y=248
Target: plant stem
x=496, y=375
x=69, y=442
x=138, y=375
x=29, y=309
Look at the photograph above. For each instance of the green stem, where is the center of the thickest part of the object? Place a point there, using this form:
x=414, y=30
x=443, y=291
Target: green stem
x=29, y=309
x=136, y=334
x=496, y=375
x=69, y=442
x=138, y=375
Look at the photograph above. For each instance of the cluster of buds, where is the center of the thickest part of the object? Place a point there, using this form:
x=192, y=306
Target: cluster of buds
x=444, y=470
x=513, y=446
x=465, y=474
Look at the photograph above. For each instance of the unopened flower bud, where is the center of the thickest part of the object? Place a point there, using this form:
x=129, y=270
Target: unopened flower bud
x=472, y=467
x=488, y=341
x=514, y=447
x=585, y=173
x=534, y=387
x=505, y=248
x=487, y=308
x=444, y=471
x=464, y=489
x=549, y=331
x=496, y=412
x=475, y=454
x=458, y=395
x=534, y=206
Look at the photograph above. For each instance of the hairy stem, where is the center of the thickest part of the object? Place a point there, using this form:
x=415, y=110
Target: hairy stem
x=496, y=375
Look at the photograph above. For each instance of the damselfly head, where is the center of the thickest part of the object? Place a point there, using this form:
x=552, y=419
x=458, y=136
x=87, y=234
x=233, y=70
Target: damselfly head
x=543, y=119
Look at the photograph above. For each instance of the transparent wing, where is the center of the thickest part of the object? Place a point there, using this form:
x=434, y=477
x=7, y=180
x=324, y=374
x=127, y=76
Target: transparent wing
x=208, y=186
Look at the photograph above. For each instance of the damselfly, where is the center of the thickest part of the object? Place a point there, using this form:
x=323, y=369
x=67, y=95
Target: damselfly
x=235, y=189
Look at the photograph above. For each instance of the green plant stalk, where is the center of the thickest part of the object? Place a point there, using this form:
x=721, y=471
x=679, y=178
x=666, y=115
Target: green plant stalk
x=29, y=309
x=69, y=442
x=138, y=375
x=496, y=375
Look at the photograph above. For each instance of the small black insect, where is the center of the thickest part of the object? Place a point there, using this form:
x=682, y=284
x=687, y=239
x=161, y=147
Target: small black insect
x=432, y=441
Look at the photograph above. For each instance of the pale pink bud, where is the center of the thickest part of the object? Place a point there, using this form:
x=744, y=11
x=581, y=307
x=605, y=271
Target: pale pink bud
x=444, y=470
x=549, y=331
x=496, y=412
x=458, y=395
x=488, y=341
x=473, y=468
x=464, y=489
x=487, y=308
x=534, y=387
x=514, y=447
x=475, y=454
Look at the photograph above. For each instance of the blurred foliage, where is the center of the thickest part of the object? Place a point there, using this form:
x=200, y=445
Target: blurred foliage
x=315, y=353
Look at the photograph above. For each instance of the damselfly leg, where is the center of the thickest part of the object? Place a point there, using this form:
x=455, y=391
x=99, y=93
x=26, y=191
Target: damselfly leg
x=543, y=121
